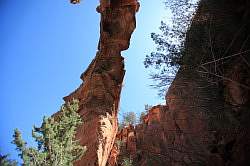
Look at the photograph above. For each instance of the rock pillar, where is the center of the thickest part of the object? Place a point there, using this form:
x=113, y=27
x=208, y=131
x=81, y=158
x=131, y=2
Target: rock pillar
x=99, y=94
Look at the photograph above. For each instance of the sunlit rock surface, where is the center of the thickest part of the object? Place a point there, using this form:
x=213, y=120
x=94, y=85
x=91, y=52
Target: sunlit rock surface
x=205, y=120
x=206, y=117
x=99, y=94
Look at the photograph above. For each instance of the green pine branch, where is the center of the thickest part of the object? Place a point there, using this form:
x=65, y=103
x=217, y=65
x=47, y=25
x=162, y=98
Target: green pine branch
x=56, y=143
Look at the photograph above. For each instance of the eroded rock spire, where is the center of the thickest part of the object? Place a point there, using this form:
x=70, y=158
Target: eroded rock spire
x=99, y=94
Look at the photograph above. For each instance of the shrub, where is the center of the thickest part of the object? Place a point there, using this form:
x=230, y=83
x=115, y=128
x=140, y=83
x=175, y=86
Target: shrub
x=129, y=118
x=4, y=161
x=127, y=162
x=56, y=144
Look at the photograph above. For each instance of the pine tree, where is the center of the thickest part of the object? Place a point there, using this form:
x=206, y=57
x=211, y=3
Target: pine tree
x=129, y=118
x=56, y=144
x=4, y=161
x=170, y=42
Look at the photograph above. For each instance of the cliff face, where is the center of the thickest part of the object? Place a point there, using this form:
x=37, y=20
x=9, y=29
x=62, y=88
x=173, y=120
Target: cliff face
x=99, y=93
x=160, y=139
x=214, y=81
x=206, y=117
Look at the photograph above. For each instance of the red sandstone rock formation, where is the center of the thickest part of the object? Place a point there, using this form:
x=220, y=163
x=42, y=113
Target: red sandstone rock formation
x=206, y=117
x=124, y=147
x=159, y=140
x=99, y=93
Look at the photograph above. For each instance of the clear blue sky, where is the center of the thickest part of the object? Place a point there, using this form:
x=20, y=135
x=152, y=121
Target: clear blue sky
x=45, y=46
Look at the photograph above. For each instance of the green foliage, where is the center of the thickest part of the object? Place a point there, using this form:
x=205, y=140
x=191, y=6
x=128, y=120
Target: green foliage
x=170, y=43
x=143, y=114
x=147, y=107
x=4, y=161
x=127, y=162
x=55, y=139
x=119, y=144
x=129, y=118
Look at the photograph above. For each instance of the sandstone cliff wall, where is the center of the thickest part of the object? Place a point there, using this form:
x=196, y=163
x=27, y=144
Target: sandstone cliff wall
x=206, y=117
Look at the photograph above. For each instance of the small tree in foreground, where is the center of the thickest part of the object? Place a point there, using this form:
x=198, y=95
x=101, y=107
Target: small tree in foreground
x=5, y=161
x=55, y=139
